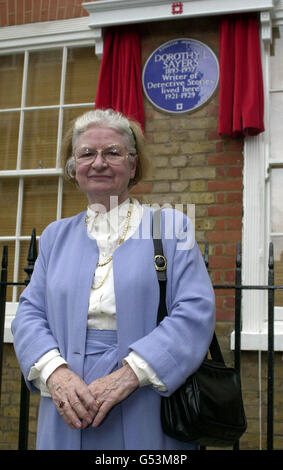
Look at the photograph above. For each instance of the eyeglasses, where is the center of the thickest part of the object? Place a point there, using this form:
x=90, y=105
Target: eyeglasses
x=112, y=154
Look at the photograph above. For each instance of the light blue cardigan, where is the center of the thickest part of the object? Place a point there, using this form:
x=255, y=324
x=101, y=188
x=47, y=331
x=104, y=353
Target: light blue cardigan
x=53, y=313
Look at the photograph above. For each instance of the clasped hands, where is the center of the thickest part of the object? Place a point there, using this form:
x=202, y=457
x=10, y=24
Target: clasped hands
x=81, y=405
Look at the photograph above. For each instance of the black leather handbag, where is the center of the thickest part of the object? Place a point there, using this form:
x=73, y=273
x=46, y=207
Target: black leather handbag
x=208, y=408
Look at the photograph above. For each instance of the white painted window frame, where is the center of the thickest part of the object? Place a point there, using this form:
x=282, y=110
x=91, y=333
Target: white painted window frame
x=26, y=39
x=256, y=216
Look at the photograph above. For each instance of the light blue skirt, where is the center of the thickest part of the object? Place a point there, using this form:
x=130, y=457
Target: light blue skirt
x=132, y=424
x=101, y=360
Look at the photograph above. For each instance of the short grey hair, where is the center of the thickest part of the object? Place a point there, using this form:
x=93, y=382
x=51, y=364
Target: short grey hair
x=101, y=118
x=129, y=128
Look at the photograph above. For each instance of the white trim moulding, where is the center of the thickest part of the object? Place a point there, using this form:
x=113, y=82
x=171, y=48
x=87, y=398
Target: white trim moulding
x=278, y=13
x=39, y=172
x=11, y=309
x=105, y=13
x=252, y=341
x=46, y=35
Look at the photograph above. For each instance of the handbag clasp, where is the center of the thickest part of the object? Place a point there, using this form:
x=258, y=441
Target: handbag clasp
x=160, y=262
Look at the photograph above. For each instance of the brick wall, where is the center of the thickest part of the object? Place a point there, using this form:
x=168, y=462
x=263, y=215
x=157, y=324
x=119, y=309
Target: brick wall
x=14, y=12
x=191, y=164
x=10, y=404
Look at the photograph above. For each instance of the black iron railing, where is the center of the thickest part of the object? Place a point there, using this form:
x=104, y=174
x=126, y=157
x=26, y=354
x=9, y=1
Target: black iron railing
x=237, y=287
x=25, y=394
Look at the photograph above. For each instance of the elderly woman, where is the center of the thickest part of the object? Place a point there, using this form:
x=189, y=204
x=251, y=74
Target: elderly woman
x=86, y=333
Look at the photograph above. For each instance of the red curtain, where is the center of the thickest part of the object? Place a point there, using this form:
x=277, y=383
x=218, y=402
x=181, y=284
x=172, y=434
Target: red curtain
x=241, y=83
x=119, y=82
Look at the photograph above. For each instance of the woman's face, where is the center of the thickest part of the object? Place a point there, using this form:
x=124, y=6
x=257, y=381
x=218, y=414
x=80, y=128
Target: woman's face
x=99, y=180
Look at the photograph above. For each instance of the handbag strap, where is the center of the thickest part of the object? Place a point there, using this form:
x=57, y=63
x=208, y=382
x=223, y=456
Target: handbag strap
x=160, y=262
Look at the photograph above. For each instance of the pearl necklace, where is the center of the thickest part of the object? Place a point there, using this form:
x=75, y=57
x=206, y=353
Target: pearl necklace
x=121, y=240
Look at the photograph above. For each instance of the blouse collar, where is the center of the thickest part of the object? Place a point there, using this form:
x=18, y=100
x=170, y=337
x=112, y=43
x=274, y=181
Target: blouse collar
x=107, y=222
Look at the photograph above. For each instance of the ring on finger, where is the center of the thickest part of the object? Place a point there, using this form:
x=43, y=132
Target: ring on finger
x=61, y=404
x=98, y=403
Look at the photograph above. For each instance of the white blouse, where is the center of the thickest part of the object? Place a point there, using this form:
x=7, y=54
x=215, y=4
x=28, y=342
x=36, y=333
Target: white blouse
x=107, y=229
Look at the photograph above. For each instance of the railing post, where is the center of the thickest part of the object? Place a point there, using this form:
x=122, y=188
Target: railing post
x=206, y=255
x=25, y=394
x=206, y=261
x=31, y=257
x=270, y=354
x=3, y=290
x=238, y=308
x=238, y=314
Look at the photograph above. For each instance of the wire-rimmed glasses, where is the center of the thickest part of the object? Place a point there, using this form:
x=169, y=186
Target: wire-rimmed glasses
x=113, y=154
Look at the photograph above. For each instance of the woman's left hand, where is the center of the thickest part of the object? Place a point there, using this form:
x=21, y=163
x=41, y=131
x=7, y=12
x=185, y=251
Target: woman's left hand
x=111, y=389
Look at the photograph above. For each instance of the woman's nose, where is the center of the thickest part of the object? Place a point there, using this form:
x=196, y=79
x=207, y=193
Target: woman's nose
x=99, y=162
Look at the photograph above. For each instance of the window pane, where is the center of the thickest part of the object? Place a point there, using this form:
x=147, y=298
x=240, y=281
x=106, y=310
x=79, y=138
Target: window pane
x=278, y=268
x=74, y=200
x=40, y=139
x=82, y=75
x=9, y=130
x=70, y=114
x=276, y=119
x=73, y=113
x=8, y=206
x=11, y=74
x=44, y=78
x=39, y=204
x=276, y=63
x=276, y=200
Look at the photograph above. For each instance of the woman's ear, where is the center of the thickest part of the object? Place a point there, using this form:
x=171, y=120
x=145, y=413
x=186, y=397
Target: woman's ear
x=133, y=164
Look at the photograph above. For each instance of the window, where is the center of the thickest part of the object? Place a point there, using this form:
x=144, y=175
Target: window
x=275, y=163
x=262, y=212
x=42, y=89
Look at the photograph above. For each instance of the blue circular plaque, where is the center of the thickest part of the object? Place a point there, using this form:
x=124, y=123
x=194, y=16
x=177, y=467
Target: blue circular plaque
x=180, y=76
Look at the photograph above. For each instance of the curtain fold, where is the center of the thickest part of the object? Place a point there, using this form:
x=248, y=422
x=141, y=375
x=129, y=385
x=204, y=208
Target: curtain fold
x=119, y=81
x=241, y=97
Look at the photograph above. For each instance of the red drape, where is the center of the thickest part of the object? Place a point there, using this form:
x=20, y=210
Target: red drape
x=241, y=83
x=119, y=82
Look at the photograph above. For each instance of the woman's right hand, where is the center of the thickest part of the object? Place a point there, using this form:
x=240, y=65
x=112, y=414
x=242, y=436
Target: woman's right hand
x=72, y=398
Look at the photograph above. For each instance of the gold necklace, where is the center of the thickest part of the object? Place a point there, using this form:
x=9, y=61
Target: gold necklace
x=103, y=280
x=122, y=239
x=124, y=233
